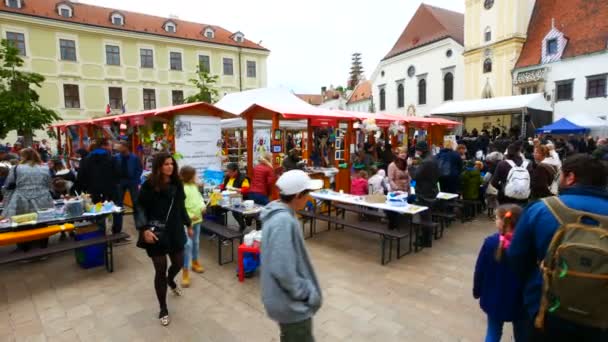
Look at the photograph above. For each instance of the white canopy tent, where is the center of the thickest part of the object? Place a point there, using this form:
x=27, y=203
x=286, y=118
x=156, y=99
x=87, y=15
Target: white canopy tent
x=497, y=105
x=598, y=127
x=527, y=111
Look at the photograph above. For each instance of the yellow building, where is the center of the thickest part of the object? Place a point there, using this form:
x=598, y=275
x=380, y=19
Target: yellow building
x=495, y=31
x=95, y=57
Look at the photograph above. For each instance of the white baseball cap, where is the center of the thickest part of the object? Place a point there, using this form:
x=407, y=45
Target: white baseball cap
x=296, y=181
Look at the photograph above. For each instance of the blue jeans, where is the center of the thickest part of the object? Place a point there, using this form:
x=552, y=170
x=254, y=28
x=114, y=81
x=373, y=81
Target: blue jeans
x=494, y=332
x=192, y=246
x=258, y=198
x=123, y=187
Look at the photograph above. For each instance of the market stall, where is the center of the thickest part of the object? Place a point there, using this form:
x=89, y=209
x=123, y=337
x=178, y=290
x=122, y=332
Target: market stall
x=520, y=115
x=324, y=138
x=597, y=126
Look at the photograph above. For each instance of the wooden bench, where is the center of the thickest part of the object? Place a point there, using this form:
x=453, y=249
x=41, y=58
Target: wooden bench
x=385, y=234
x=68, y=246
x=223, y=233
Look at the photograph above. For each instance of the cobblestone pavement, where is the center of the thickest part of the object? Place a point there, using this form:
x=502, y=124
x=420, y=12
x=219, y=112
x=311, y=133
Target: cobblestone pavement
x=421, y=297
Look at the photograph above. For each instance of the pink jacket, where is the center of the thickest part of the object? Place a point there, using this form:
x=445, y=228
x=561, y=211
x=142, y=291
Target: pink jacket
x=358, y=186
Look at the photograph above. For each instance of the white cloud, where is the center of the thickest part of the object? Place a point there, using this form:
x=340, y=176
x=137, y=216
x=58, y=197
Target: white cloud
x=310, y=41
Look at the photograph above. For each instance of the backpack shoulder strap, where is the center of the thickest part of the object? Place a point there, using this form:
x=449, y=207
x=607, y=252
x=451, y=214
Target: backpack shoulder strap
x=524, y=164
x=563, y=214
x=510, y=162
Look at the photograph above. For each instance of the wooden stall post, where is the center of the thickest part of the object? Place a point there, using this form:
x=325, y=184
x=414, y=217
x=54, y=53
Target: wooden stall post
x=309, y=141
x=80, y=137
x=59, y=140
x=275, y=126
x=250, y=146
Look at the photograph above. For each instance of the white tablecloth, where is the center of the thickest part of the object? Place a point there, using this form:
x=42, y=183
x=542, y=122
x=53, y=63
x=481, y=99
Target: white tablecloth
x=326, y=195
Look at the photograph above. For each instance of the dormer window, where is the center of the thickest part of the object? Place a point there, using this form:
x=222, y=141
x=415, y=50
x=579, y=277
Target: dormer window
x=209, y=33
x=487, y=36
x=170, y=27
x=552, y=46
x=65, y=11
x=13, y=3
x=117, y=19
x=239, y=37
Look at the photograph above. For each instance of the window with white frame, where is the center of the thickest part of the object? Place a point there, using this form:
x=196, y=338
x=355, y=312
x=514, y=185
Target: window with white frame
x=17, y=40
x=487, y=35
x=209, y=33
x=149, y=99
x=13, y=3
x=204, y=63
x=170, y=27
x=239, y=37
x=228, y=66
x=67, y=49
x=146, y=58
x=112, y=55
x=115, y=96
x=65, y=11
x=71, y=96
x=251, y=69
x=117, y=19
x=175, y=60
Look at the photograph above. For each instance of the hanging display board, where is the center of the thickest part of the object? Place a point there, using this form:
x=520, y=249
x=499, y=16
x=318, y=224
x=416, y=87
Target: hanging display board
x=196, y=139
x=261, y=143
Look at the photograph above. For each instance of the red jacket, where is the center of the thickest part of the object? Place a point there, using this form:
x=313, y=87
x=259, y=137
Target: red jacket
x=263, y=179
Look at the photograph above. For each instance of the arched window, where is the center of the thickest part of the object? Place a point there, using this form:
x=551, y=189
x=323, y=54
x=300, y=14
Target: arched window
x=422, y=92
x=487, y=35
x=117, y=19
x=382, y=99
x=487, y=66
x=448, y=87
x=170, y=27
x=400, y=96
x=65, y=11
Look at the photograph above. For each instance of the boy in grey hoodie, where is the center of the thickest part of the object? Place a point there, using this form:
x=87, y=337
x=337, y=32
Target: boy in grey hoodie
x=290, y=291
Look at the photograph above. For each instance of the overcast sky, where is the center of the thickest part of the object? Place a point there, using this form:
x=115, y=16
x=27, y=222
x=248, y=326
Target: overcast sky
x=310, y=41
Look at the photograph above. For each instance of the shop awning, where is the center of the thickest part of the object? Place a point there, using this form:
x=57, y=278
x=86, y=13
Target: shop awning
x=136, y=119
x=497, y=105
x=562, y=126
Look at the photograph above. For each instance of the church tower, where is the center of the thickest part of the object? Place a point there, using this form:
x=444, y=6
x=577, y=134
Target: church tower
x=495, y=32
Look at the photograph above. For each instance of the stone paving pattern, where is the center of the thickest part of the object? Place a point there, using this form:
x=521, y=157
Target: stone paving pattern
x=421, y=297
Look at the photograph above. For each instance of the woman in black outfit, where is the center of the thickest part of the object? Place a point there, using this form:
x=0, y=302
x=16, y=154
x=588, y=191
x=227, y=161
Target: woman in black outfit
x=161, y=203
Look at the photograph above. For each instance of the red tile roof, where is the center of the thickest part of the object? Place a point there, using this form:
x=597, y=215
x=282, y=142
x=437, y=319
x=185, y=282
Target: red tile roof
x=363, y=91
x=313, y=99
x=583, y=22
x=134, y=22
x=428, y=25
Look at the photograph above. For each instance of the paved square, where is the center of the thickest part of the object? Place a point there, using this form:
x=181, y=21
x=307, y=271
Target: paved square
x=421, y=297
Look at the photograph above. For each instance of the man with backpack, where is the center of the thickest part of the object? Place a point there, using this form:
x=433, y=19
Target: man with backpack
x=450, y=167
x=512, y=177
x=565, y=297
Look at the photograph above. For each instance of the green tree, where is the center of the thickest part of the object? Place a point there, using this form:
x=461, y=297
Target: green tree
x=206, y=85
x=19, y=107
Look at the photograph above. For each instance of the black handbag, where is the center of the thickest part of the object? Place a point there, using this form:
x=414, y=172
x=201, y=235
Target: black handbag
x=158, y=228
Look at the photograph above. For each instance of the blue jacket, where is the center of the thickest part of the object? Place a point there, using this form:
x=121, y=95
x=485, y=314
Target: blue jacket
x=452, y=158
x=134, y=168
x=499, y=290
x=534, y=232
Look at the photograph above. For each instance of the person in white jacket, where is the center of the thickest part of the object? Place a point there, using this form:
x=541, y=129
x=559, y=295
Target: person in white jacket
x=378, y=183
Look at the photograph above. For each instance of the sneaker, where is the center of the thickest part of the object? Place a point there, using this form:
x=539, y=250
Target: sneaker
x=197, y=268
x=177, y=292
x=185, y=278
x=163, y=316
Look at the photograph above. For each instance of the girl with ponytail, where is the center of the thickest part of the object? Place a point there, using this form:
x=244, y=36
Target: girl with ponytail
x=499, y=290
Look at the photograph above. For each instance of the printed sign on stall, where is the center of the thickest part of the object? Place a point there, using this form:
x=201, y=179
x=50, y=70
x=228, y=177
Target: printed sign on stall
x=196, y=141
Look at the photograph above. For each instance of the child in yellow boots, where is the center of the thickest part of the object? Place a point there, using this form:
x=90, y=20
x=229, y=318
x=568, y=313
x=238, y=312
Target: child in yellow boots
x=195, y=206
